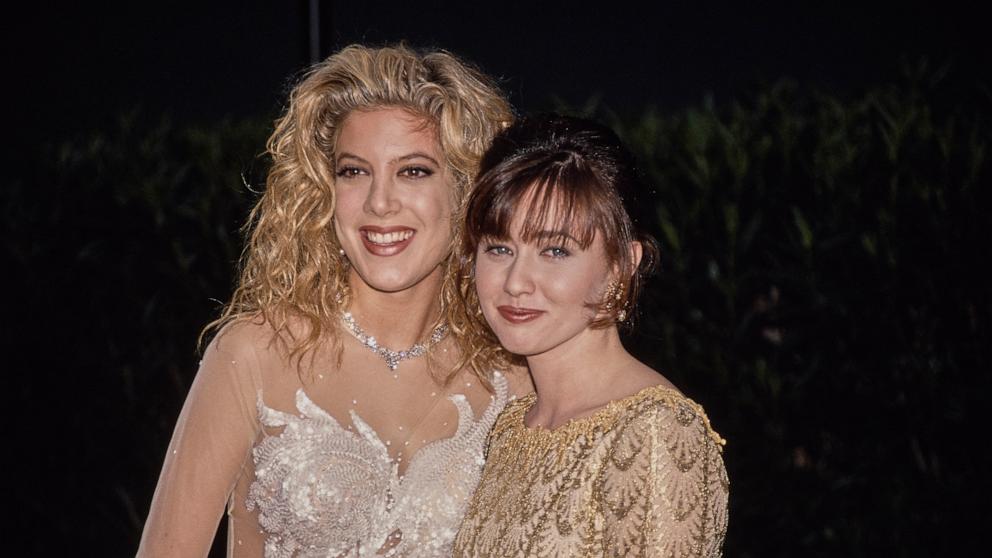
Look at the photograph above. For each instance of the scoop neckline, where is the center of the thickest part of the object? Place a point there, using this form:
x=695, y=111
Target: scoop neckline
x=600, y=415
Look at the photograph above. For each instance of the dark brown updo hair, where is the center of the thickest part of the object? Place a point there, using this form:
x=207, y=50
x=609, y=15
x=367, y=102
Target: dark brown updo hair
x=575, y=177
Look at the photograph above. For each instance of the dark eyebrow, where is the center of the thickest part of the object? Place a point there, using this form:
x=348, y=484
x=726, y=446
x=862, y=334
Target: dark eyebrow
x=418, y=155
x=549, y=235
x=415, y=155
x=346, y=155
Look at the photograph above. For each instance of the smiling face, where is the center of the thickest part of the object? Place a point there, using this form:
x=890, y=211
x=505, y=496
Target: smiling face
x=393, y=199
x=537, y=294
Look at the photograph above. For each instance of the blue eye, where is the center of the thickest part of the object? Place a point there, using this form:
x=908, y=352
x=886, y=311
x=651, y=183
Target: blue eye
x=498, y=250
x=557, y=252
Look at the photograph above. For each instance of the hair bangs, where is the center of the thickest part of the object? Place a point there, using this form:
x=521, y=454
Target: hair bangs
x=552, y=202
x=565, y=178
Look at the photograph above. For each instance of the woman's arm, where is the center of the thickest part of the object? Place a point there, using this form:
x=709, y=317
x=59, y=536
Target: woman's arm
x=666, y=485
x=209, y=448
x=688, y=485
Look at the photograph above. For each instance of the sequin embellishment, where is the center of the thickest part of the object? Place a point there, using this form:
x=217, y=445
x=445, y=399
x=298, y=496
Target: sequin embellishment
x=324, y=490
x=641, y=477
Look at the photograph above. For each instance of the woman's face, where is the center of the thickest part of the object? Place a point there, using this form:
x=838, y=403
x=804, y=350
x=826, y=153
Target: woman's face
x=393, y=198
x=536, y=295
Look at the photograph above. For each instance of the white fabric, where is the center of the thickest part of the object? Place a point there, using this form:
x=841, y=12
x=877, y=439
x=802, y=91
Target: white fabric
x=338, y=462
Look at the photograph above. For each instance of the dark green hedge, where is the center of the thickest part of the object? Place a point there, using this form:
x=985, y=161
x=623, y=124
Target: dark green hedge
x=821, y=294
x=824, y=297
x=122, y=243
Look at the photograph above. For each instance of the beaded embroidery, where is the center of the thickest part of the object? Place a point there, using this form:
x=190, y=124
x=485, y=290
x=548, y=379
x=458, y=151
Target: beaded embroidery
x=324, y=490
x=641, y=477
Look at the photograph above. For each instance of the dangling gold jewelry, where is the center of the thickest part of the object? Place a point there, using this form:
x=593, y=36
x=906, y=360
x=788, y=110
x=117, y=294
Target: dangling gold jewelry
x=613, y=295
x=608, y=302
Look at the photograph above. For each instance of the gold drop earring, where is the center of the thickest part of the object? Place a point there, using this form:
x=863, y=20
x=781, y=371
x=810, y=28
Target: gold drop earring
x=613, y=295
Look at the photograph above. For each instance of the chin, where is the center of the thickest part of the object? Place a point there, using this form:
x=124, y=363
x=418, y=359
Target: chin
x=390, y=285
x=392, y=280
x=520, y=347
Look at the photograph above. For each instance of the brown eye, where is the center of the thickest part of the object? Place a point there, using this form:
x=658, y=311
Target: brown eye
x=416, y=172
x=349, y=172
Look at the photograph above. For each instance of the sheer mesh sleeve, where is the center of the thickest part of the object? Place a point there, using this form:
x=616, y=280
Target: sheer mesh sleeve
x=209, y=451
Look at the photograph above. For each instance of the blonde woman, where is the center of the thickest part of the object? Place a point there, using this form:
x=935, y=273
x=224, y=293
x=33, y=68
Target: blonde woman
x=607, y=458
x=342, y=407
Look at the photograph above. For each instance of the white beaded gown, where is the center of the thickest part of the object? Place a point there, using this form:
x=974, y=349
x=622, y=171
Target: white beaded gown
x=389, y=473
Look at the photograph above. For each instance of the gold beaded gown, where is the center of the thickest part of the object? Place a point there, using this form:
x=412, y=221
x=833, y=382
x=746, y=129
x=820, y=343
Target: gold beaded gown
x=643, y=476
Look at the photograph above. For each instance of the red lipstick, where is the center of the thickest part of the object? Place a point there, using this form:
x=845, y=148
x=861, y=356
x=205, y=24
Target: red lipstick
x=517, y=315
x=386, y=241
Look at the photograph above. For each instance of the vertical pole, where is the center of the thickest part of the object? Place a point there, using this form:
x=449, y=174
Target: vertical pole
x=314, y=31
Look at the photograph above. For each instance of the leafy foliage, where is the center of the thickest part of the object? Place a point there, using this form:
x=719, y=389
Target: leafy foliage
x=821, y=296
x=122, y=243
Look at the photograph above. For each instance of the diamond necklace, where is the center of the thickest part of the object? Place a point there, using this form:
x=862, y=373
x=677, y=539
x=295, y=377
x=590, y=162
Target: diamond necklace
x=392, y=357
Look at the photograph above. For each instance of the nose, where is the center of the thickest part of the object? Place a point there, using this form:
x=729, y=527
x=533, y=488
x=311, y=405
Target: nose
x=519, y=278
x=381, y=200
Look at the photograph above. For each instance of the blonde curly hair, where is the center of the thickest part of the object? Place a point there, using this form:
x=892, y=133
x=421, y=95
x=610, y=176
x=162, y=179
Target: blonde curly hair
x=291, y=267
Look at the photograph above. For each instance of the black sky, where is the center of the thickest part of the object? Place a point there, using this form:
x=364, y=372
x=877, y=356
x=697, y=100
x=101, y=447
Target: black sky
x=73, y=64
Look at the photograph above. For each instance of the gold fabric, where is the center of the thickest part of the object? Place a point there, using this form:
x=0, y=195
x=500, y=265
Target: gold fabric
x=643, y=476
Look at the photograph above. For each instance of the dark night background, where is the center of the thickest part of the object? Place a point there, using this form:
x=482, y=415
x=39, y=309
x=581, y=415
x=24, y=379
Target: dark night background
x=823, y=174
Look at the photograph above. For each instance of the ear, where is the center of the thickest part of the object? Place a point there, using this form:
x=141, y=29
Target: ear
x=636, y=253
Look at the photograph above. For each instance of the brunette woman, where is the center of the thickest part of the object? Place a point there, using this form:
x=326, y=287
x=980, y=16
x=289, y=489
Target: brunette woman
x=608, y=458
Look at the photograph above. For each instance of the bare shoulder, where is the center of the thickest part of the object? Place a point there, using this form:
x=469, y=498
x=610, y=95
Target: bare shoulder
x=652, y=401
x=638, y=376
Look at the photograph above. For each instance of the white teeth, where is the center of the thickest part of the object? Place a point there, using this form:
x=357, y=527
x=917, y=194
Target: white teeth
x=388, y=238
